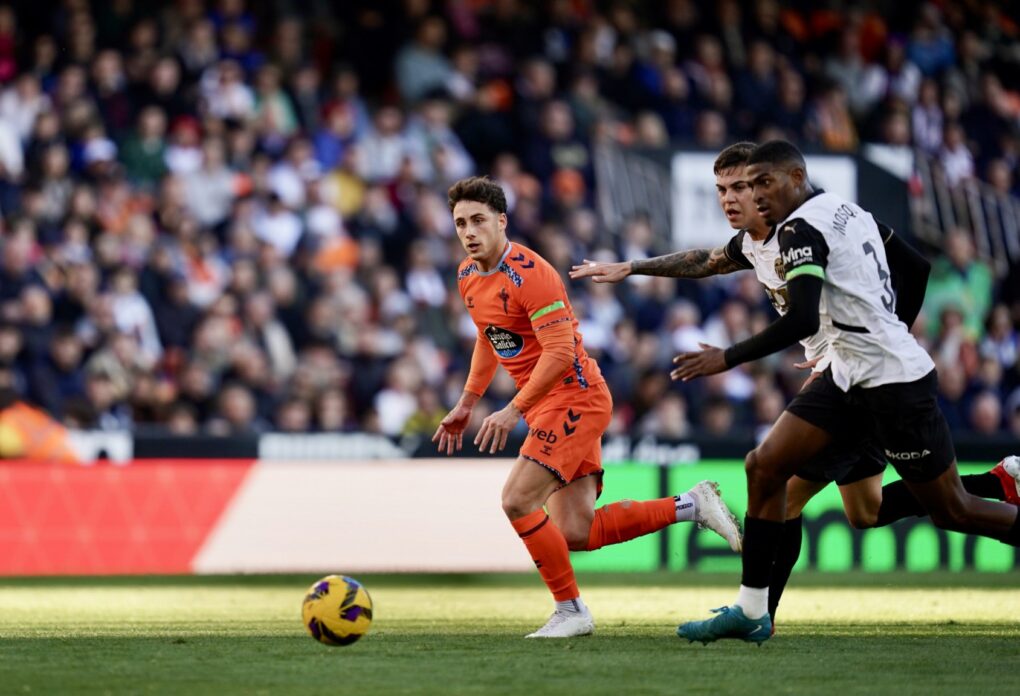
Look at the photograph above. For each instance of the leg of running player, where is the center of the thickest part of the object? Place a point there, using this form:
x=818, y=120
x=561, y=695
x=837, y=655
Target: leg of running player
x=862, y=500
x=1002, y=482
x=869, y=504
x=790, y=444
x=572, y=508
x=953, y=508
x=526, y=490
x=798, y=492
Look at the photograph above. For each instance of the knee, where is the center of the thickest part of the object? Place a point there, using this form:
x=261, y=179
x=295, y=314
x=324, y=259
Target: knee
x=577, y=532
x=517, y=505
x=862, y=519
x=761, y=476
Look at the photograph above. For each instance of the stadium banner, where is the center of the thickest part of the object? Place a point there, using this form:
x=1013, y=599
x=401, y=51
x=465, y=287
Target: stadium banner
x=697, y=220
x=122, y=447
x=148, y=516
x=399, y=515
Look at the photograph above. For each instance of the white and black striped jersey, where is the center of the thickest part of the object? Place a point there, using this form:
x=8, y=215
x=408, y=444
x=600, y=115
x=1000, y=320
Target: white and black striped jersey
x=839, y=242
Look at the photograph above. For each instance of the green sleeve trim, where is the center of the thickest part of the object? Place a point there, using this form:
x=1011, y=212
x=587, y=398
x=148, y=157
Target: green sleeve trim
x=558, y=304
x=810, y=269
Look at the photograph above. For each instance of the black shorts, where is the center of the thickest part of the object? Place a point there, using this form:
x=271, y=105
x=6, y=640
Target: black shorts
x=844, y=463
x=852, y=455
x=902, y=419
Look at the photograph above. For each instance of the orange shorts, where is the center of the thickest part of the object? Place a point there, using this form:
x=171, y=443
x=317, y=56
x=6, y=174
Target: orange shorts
x=565, y=433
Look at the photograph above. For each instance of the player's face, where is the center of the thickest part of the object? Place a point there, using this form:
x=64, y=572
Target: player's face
x=735, y=197
x=775, y=189
x=482, y=232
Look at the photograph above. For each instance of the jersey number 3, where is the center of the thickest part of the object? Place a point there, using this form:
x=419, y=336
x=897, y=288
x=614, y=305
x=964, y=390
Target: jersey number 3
x=888, y=297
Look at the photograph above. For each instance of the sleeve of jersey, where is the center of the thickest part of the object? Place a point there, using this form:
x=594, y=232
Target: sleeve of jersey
x=804, y=250
x=734, y=250
x=483, y=367
x=544, y=300
x=557, y=341
x=909, y=275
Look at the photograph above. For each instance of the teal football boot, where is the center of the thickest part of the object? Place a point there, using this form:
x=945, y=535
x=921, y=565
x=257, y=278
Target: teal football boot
x=728, y=622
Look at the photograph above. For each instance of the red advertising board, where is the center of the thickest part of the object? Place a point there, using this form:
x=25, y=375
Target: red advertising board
x=151, y=516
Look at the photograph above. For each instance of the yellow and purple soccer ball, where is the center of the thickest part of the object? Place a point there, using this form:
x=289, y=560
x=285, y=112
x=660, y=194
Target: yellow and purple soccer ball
x=337, y=610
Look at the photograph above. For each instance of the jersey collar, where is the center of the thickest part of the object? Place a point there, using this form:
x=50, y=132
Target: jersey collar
x=816, y=192
x=509, y=246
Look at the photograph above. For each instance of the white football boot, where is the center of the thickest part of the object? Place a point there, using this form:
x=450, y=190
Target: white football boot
x=566, y=624
x=711, y=513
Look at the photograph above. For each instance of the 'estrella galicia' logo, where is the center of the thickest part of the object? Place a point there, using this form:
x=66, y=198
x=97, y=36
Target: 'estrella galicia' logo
x=506, y=343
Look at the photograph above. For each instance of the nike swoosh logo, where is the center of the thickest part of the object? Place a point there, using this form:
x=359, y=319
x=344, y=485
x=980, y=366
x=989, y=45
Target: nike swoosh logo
x=756, y=629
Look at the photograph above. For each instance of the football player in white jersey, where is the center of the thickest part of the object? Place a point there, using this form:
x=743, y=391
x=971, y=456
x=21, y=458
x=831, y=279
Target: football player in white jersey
x=838, y=281
x=854, y=463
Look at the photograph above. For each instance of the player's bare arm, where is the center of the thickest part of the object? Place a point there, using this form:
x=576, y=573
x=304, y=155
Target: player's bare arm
x=692, y=263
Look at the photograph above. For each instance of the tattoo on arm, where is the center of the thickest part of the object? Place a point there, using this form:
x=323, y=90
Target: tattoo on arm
x=695, y=263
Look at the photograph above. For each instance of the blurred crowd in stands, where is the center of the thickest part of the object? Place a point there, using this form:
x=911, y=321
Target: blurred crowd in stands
x=230, y=217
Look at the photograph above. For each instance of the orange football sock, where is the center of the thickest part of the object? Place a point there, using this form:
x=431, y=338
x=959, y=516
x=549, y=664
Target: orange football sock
x=628, y=519
x=548, y=548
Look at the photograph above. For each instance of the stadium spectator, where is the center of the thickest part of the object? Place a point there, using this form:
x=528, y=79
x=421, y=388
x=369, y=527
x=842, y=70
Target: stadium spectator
x=239, y=194
x=961, y=281
x=420, y=66
x=927, y=118
x=957, y=159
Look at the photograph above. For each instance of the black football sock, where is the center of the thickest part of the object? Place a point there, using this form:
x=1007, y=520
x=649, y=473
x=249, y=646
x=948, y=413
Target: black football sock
x=986, y=485
x=786, y=558
x=761, y=542
x=898, y=503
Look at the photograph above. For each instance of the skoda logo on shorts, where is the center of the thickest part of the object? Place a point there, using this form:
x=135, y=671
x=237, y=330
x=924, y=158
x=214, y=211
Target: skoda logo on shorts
x=507, y=344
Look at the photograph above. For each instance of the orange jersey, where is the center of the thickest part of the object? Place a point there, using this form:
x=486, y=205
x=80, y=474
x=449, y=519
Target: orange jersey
x=508, y=304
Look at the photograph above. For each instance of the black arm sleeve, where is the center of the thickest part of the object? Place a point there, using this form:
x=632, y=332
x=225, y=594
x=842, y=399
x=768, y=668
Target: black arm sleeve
x=799, y=322
x=909, y=275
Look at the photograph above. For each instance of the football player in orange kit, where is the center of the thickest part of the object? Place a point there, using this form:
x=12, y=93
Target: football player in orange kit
x=525, y=322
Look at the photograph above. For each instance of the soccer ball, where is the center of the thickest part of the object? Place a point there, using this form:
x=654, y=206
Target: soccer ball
x=337, y=610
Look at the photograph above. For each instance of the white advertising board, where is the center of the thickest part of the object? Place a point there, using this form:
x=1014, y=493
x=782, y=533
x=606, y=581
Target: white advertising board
x=367, y=516
x=698, y=221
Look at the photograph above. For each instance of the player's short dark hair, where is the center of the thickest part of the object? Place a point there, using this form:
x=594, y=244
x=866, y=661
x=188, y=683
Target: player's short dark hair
x=480, y=189
x=777, y=152
x=736, y=155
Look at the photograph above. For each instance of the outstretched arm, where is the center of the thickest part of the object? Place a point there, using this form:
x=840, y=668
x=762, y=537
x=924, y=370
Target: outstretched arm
x=695, y=263
x=692, y=263
x=800, y=321
x=805, y=255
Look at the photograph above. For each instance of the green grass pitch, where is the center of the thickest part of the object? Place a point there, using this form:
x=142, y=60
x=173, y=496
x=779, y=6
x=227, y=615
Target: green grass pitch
x=842, y=634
